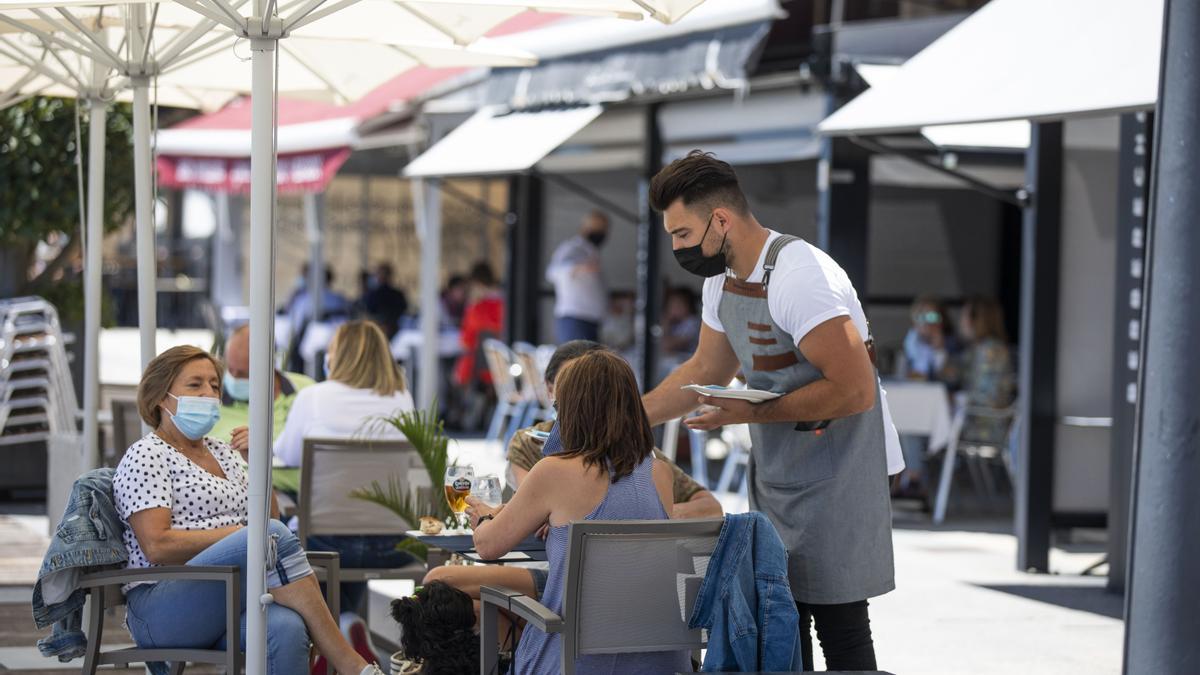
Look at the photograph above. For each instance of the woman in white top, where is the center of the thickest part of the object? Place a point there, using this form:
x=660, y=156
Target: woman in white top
x=364, y=384
x=184, y=496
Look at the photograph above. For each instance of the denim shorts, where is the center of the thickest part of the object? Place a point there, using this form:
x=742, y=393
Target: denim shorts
x=539, y=580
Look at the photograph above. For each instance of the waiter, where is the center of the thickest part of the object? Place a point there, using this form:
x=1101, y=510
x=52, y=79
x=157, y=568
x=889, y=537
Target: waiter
x=786, y=315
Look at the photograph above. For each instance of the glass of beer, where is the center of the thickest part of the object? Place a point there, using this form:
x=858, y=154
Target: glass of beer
x=458, y=488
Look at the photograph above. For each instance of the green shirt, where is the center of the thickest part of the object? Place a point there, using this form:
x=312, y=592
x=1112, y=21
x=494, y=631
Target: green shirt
x=236, y=414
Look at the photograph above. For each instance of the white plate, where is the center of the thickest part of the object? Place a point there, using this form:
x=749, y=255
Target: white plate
x=751, y=395
x=538, y=436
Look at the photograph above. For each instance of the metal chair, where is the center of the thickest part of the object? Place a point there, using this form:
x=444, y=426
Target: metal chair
x=609, y=607
x=332, y=468
x=738, y=438
x=510, y=403
x=539, y=406
x=104, y=592
x=975, y=453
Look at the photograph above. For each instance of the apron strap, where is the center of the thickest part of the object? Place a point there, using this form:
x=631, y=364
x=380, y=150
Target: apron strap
x=773, y=255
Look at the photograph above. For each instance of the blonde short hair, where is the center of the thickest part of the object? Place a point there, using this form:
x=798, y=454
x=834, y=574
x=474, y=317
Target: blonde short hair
x=363, y=360
x=160, y=374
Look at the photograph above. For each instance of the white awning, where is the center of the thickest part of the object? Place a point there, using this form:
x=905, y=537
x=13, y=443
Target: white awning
x=489, y=143
x=1020, y=60
x=1008, y=135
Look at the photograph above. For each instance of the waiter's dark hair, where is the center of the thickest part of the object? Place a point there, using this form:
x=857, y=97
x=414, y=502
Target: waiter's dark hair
x=600, y=415
x=700, y=178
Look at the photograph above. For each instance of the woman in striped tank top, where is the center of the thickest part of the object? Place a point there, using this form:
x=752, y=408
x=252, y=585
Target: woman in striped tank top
x=606, y=472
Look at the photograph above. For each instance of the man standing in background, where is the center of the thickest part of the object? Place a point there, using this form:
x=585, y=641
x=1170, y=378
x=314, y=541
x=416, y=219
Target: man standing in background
x=580, y=297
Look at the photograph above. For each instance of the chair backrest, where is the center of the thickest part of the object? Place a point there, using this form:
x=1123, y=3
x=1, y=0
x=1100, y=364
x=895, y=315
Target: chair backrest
x=126, y=426
x=332, y=468
x=631, y=584
x=533, y=374
x=500, y=361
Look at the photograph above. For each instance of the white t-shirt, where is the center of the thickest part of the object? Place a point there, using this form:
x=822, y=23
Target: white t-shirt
x=578, y=292
x=153, y=474
x=331, y=409
x=806, y=289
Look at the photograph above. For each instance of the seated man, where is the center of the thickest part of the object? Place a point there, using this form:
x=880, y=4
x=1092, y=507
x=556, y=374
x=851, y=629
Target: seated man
x=691, y=499
x=235, y=403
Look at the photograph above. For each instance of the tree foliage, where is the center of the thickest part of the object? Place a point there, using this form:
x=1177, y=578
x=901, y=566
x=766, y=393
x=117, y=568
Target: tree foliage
x=39, y=183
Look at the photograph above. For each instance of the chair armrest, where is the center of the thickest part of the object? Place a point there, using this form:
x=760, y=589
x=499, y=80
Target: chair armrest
x=160, y=573
x=330, y=563
x=532, y=611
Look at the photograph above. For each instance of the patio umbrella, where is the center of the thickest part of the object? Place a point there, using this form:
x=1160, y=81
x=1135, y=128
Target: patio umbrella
x=111, y=52
x=351, y=25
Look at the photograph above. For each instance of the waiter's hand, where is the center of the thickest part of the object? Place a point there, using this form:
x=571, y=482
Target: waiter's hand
x=719, y=412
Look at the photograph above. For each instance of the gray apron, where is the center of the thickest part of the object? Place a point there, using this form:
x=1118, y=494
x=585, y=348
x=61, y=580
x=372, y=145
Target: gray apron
x=824, y=488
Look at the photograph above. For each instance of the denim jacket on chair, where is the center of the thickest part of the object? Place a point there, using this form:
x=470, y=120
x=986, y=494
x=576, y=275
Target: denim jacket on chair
x=87, y=538
x=745, y=601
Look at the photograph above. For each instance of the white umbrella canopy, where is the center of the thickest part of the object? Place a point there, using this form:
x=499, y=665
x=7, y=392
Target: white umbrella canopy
x=336, y=49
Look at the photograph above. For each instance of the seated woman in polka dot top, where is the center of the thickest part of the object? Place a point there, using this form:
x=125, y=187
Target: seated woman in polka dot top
x=183, y=497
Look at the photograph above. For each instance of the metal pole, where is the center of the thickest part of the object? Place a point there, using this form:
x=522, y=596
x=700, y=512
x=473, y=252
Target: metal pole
x=316, y=264
x=97, y=130
x=427, y=204
x=144, y=213
x=1161, y=622
x=364, y=242
x=1129, y=270
x=147, y=297
x=1038, y=343
x=649, y=294
x=262, y=372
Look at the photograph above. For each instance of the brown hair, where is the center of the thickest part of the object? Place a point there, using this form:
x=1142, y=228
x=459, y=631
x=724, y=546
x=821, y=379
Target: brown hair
x=160, y=374
x=362, y=359
x=699, y=178
x=600, y=414
x=987, y=319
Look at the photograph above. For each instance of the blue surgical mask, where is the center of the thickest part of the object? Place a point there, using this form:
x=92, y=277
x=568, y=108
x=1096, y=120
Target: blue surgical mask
x=238, y=388
x=195, y=416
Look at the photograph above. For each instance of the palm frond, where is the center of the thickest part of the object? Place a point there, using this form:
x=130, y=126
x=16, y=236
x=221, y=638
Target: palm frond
x=427, y=434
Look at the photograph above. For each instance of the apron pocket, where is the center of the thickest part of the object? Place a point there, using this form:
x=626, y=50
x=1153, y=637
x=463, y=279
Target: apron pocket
x=794, y=458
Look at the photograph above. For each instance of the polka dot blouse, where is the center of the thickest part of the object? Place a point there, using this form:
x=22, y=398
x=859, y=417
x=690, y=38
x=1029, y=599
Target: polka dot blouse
x=153, y=474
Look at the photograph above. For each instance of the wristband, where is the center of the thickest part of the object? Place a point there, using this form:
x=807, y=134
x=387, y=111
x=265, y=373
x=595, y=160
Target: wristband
x=484, y=517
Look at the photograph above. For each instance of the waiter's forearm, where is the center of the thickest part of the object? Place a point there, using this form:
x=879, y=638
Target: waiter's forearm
x=668, y=401
x=820, y=400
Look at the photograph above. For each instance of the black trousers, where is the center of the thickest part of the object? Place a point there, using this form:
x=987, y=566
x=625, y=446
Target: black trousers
x=844, y=632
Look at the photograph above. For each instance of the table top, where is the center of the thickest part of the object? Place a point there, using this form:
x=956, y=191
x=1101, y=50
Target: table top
x=531, y=547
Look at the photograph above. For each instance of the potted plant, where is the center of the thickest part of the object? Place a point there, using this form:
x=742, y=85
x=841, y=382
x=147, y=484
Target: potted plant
x=427, y=434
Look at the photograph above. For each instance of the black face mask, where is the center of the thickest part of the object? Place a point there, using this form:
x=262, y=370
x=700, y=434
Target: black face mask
x=692, y=258
x=597, y=238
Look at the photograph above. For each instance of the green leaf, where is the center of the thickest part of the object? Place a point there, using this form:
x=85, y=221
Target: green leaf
x=427, y=434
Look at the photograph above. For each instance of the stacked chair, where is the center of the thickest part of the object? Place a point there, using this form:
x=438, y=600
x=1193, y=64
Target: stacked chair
x=37, y=397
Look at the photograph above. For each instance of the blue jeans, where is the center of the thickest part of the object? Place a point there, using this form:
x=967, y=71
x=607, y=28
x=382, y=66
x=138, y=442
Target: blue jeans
x=191, y=614
x=361, y=552
x=567, y=328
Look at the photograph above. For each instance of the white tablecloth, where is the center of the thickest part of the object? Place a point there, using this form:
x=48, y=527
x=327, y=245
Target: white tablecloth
x=407, y=343
x=921, y=409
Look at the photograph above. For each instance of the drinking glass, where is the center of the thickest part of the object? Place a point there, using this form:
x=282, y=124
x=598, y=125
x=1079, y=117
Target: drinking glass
x=458, y=487
x=487, y=489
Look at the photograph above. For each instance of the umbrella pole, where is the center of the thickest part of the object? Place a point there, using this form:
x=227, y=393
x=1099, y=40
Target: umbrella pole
x=97, y=129
x=428, y=206
x=262, y=370
x=313, y=207
x=144, y=214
